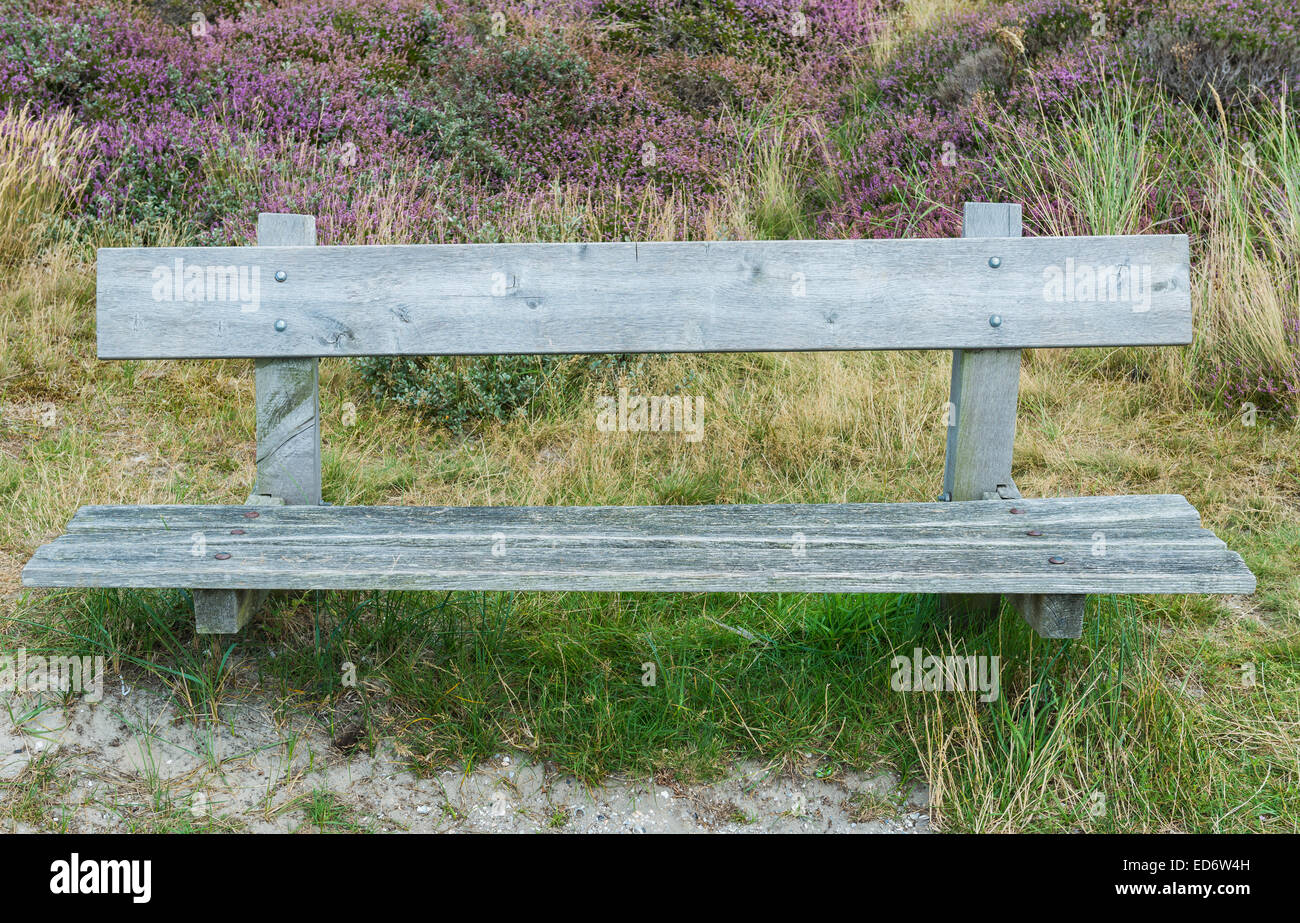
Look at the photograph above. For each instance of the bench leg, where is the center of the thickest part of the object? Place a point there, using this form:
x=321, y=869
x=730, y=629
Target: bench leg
x=224, y=612
x=982, y=411
x=288, y=439
x=1056, y=615
x=969, y=609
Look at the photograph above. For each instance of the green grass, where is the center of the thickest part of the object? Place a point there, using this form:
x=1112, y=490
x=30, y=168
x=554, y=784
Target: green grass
x=1132, y=727
x=325, y=812
x=31, y=796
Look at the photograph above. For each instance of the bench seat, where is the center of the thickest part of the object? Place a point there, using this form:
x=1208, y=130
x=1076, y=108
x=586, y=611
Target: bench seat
x=1128, y=544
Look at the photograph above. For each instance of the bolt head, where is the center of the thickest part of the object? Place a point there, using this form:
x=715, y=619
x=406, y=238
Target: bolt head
x=281, y=326
x=995, y=320
x=995, y=262
x=252, y=514
x=281, y=275
x=1033, y=532
x=222, y=555
x=1055, y=560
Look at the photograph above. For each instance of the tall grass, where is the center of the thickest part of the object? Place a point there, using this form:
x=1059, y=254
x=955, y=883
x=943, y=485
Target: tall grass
x=1129, y=161
x=908, y=18
x=43, y=169
x=1248, y=279
x=779, y=152
x=1092, y=169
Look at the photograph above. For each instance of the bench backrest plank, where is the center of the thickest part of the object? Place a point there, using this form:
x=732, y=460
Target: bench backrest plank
x=477, y=299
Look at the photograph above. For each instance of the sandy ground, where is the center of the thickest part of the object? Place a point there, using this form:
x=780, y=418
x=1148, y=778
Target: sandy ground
x=134, y=762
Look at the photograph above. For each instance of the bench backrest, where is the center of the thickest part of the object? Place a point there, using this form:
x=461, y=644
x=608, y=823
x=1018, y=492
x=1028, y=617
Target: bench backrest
x=474, y=299
x=288, y=302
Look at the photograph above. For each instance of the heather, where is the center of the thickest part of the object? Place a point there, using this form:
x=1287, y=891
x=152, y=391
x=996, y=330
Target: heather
x=456, y=121
x=420, y=122
x=323, y=101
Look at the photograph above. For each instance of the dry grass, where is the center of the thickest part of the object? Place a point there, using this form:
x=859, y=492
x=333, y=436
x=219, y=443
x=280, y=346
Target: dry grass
x=909, y=18
x=1099, y=171
x=1249, y=280
x=43, y=168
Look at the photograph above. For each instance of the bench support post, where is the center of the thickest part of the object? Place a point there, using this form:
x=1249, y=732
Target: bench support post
x=981, y=436
x=288, y=438
x=1051, y=615
x=288, y=395
x=224, y=612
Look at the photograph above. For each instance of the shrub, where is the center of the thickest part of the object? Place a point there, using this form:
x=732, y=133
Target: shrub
x=454, y=391
x=1232, y=50
x=459, y=392
x=475, y=124
x=694, y=27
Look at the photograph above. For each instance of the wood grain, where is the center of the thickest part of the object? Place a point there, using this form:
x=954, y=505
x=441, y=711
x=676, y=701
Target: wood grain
x=476, y=299
x=1153, y=545
x=986, y=388
x=288, y=396
x=1054, y=615
x=225, y=612
x=985, y=392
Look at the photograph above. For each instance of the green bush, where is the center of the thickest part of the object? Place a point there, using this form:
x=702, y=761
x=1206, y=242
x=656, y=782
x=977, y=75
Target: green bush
x=460, y=120
x=454, y=391
x=458, y=392
x=693, y=27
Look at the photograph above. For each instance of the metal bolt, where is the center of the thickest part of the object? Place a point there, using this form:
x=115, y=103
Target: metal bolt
x=280, y=325
x=1014, y=510
x=995, y=320
x=995, y=262
x=1055, y=560
x=1033, y=532
x=236, y=531
x=222, y=555
x=281, y=275
x=252, y=514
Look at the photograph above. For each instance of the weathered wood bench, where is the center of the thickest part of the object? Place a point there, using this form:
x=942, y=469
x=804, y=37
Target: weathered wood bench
x=286, y=303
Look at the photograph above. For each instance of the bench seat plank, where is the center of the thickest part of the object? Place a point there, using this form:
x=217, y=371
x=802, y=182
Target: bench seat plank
x=1153, y=544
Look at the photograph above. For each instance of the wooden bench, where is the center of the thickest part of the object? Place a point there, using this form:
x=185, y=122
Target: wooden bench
x=286, y=303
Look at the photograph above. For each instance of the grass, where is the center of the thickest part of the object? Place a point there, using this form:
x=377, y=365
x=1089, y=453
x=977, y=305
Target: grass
x=1103, y=167
x=1103, y=170
x=40, y=174
x=32, y=795
x=325, y=812
x=908, y=17
x=1146, y=723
